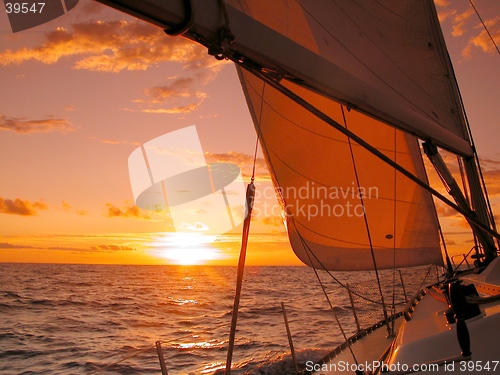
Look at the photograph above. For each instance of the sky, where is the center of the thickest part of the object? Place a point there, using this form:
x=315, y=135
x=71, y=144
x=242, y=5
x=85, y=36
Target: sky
x=78, y=94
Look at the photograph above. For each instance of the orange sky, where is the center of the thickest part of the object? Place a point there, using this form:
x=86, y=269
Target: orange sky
x=81, y=92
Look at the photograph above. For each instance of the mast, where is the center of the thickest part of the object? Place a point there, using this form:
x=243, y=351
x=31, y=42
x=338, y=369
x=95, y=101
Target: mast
x=477, y=198
x=478, y=205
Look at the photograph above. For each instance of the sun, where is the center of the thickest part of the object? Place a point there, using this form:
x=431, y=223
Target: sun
x=186, y=249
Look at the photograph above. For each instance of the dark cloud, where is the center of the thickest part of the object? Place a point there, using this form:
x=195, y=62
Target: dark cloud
x=244, y=161
x=23, y=125
x=108, y=248
x=20, y=207
x=5, y=245
x=129, y=211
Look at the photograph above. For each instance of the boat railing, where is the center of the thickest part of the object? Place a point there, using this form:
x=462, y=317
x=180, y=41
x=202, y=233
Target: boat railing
x=365, y=300
x=463, y=260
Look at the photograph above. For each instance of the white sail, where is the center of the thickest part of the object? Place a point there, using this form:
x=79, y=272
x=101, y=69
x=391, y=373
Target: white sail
x=327, y=192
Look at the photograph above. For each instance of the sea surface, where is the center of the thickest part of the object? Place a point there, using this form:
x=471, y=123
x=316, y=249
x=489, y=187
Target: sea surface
x=105, y=319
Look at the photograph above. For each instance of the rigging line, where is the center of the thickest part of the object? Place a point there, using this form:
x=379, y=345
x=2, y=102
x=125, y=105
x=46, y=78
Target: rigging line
x=471, y=141
x=484, y=25
x=367, y=226
x=394, y=222
x=467, y=190
x=255, y=158
x=307, y=248
x=447, y=256
x=329, y=302
x=247, y=64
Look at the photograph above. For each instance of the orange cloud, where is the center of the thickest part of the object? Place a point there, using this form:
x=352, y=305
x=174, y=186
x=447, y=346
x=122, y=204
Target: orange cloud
x=68, y=208
x=180, y=87
x=129, y=211
x=244, y=161
x=491, y=173
x=176, y=110
x=20, y=207
x=23, y=126
x=177, y=91
x=112, y=46
x=483, y=40
x=275, y=221
x=466, y=24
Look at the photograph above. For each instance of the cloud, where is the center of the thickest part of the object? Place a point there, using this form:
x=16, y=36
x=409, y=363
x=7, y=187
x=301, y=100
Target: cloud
x=24, y=126
x=176, y=110
x=483, y=40
x=20, y=207
x=65, y=248
x=108, y=248
x=179, y=92
x=5, y=245
x=465, y=24
x=68, y=208
x=275, y=221
x=180, y=87
x=112, y=46
x=460, y=25
x=129, y=211
x=114, y=141
x=244, y=161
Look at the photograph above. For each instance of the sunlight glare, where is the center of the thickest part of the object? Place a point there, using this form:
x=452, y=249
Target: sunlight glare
x=186, y=248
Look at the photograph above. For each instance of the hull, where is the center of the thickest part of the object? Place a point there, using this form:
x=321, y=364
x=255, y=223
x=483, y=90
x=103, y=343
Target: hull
x=426, y=341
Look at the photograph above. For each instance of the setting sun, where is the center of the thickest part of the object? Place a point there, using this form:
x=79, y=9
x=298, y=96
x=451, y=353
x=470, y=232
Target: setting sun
x=186, y=248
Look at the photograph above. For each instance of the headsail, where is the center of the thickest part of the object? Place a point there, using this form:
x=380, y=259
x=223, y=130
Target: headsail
x=320, y=182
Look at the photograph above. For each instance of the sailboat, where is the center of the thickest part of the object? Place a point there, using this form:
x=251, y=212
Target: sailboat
x=346, y=98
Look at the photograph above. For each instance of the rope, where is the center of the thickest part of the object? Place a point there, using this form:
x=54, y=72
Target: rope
x=255, y=158
x=394, y=229
x=484, y=25
x=329, y=303
x=368, y=232
x=250, y=195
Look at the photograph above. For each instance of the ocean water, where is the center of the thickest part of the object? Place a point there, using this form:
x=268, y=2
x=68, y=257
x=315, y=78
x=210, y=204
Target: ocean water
x=105, y=319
